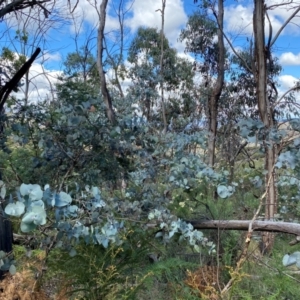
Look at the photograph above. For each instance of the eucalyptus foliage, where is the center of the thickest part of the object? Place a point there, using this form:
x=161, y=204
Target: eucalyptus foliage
x=85, y=215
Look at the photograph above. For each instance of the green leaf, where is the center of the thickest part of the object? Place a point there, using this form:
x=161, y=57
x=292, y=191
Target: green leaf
x=118, y=129
x=172, y=178
x=151, y=216
x=63, y=199
x=292, y=259
x=15, y=209
x=28, y=218
x=37, y=216
x=34, y=191
x=72, y=252
x=286, y=159
x=225, y=191
x=12, y=270
x=2, y=254
x=197, y=248
x=95, y=191
x=74, y=121
x=27, y=227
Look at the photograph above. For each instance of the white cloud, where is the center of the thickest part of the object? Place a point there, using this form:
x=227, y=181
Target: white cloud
x=281, y=14
x=87, y=11
x=286, y=82
x=238, y=19
x=41, y=85
x=186, y=56
x=51, y=57
x=289, y=59
x=144, y=13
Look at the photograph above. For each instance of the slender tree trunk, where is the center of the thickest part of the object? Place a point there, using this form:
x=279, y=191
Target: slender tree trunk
x=162, y=66
x=266, y=115
x=213, y=101
x=118, y=84
x=216, y=93
x=105, y=93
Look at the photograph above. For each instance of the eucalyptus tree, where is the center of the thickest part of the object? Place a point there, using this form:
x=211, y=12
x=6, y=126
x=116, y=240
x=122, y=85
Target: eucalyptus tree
x=266, y=109
x=115, y=44
x=199, y=36
x=262, y=106
x=144, y=54
x=101, y=11
x=257, y=73
x=147, y=71
x=80, y=79
x=239, y=102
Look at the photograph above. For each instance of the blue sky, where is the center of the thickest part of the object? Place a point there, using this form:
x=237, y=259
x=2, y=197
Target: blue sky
x=57, y=42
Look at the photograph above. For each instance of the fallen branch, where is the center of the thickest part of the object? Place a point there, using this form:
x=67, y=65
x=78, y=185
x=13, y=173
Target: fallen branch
x=284, y=227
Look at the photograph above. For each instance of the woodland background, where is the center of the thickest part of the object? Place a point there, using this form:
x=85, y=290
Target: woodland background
x=144, y=173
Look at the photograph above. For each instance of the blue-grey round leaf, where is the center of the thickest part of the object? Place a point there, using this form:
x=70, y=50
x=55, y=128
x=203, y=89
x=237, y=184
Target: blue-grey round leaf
x=15, y=209
x=12, y=270
x=27, y=227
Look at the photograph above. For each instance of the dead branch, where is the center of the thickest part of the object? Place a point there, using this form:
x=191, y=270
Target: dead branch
x=269, y=226
x=11, y=84
x=22, y=4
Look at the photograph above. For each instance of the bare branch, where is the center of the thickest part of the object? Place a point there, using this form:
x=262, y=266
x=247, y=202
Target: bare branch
x=270, y=32
x=22, y=4
x=294, y=88
x=284, y=25
x=10, y=85
x=232, y=48
x=279, y=4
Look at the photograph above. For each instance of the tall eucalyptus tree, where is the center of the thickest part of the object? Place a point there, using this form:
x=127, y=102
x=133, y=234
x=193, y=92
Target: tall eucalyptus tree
x=199, y=36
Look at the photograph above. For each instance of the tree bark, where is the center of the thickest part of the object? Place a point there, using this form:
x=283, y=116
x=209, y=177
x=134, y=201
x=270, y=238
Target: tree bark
x=105, y=93
x=266, y=114
x=22, y=4
x=11, y=84
x=162, y=66
x=268, y=226
x=216, y=93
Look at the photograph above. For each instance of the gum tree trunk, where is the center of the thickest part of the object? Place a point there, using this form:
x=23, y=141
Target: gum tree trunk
x=105, y=93
x=266, y=115
x=216, y=93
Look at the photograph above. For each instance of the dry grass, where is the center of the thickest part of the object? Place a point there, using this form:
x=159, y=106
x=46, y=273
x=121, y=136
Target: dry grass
x=205, y=281
x=20, y=286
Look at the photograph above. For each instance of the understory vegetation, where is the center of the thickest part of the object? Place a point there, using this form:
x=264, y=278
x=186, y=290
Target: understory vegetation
x=112, y=182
